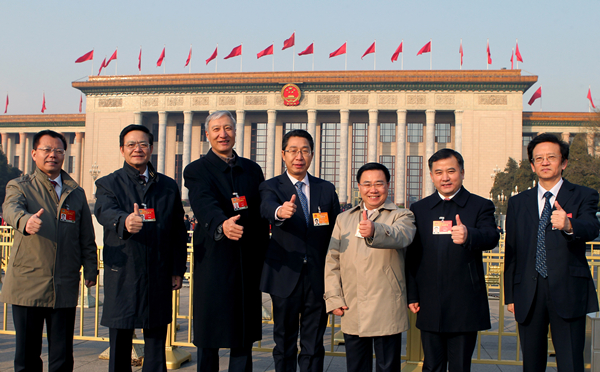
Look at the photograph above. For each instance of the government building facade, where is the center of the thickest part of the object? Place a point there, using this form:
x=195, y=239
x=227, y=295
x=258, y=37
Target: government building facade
x=398, y=118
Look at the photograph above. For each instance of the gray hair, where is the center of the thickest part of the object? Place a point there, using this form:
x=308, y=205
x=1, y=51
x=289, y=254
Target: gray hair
x=217, y=115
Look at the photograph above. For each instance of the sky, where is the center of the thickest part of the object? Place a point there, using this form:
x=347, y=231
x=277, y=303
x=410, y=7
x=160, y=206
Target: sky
x=40, y=41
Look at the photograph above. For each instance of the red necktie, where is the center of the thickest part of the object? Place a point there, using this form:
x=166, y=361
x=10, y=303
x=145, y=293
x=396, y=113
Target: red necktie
x=55, y=186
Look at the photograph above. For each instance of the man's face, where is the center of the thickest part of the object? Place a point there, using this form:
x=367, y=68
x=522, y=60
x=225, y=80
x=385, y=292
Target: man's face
x=48, y=161
x=221, y=135
x=447, y=176
x=136, y=149
x=297, y=164
x=547, y=162
x=373, y=188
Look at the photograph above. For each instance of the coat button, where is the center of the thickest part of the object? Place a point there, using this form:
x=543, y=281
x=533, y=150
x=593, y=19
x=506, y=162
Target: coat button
x=534, y=277
x=206, y=225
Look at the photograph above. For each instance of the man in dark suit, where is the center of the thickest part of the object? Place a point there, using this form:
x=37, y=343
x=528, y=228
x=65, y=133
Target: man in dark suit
x=302, y=210
x=446, y=285
x=547, y=279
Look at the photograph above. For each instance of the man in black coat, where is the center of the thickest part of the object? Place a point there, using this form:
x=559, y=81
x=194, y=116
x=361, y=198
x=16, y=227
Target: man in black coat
x=229, y=243
x=547, y=278
x=144, y=251
x=445, y=281
x=302, y=210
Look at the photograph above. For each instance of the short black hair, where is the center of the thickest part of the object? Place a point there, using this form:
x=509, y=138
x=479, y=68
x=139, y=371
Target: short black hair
x=298, y=133
x=131, y=128
x=51, y=133
x=445, y=154
x=373, y=166
x=547, y=137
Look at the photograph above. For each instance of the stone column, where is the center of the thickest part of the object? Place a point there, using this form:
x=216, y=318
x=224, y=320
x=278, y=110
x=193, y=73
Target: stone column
x=429, y=149
x=187, y=148
x=9, y=152
x=344, y=123
x=28, y=159
x=565, y=136
x=400, y=191
x=271, y=120
x=4, y=141
x=162, y=141
x=372, y=138
x=458, y=118
x=590, y=143
x=77, y=156
x=239, y=131
x=22, y=153
x=137, y=118
x=311, y=126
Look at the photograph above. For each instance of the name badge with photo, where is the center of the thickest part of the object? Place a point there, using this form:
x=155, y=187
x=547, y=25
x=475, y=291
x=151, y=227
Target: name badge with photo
x=148, y=215
x=442, y=227
x=320, y=219
x=239, y=203
x=67, y=215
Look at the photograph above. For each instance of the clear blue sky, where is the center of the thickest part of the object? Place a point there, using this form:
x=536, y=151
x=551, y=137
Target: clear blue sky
x=40, y=41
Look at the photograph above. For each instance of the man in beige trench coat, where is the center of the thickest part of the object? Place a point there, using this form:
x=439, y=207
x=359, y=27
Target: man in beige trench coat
x=364, y=274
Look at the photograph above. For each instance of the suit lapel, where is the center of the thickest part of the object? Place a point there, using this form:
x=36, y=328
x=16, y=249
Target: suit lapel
x=289, y=189
x=565, y=193
x=315, y=193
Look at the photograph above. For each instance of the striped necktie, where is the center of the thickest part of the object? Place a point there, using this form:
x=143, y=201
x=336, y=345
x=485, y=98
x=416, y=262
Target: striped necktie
x=303, y=200
x=540, y=253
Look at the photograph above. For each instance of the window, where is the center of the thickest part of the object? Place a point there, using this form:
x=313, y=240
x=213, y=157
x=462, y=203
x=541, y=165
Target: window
x=202, y=133
x=359, y=149
x=179, y=132
x=390, y=162
x=442, y=133
x=258, y=144
x=70, y=164
x=387, y=132
x=414, y=179
x=415, y=132
x=178, y=169
x=15, y=161
x=71, y=138
x=17, y=139
x=155, y=132
x=527, y=137
x=154, y=160
x=330, y=152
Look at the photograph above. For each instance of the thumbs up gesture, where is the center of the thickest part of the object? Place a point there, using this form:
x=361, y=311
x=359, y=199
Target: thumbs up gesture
x=459, y=232
x=560, y=220
x=366, y=227
x=287, y=209
x=34, y=223
x=231, y=229
x=134, y=221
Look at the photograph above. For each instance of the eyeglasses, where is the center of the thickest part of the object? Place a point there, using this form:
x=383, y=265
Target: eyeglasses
x=133, y=145
x=549, y=158
x=294, y=153
x=48, y=150
x=378, y=185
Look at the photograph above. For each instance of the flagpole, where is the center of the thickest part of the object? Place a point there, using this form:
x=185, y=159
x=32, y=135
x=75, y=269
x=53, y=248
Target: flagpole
x=541, y=100
x=164, y=64
x=241, y=56
x=117, y=61
x=92, y=73
x=217, y=59
x=517, y=43
x=375, y=55
x=294, y=53
x=190, y=64
x=313, y=56
x=512, y=58
x=346, y=57
x=487, y=57
x=461, y=51
x=273, y=55
x=431, y=54
x=140, y=61
x=589, y=100
x=402, y=58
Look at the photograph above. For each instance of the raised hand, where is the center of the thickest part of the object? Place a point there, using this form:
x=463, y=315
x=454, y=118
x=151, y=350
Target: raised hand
x=34, y=223
x=287, y=209
x=559, y=218
x=366, y=227
x=231, y=229
x=459, y=232
x=134, y=221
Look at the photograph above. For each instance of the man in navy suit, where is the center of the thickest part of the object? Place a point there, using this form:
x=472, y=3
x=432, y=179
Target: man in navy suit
x=446, y=284
x=547, y=279
x=293, y=272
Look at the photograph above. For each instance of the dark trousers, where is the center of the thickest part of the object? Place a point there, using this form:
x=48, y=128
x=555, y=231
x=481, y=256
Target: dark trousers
x=240, y=359
x=568, y=335
x=154, y=349
x=448, y=351
x=359, y=353
x=301, y=311
x=29, y=326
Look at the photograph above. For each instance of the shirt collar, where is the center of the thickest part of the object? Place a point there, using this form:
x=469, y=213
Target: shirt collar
x=554, y=190
x=294, y=180
x=451, y=196
x=58, y=180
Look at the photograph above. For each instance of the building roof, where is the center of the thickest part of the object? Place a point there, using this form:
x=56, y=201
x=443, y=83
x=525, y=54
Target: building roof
x=561, y=119
x=43, y=121
x=384, y=80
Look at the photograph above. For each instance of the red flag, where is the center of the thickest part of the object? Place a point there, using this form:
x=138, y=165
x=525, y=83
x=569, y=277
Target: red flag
x=369, y=51
x=6, y=107
x=460, y=51
x=489, y=54
x=103, y=65
x=589, y=96
x=237, y=51
x=266, y=52
x=212, y=56
x=80, y=102
x=425, y=49
x=44, y=104
x=289, y=42
x=397, y=53
x=114, y=56
x=536, y=95
x=341, y=50
x=518, y=54
x=512, y=60
x=86, y=57
x=308, y=50
x=161, y=58
x=140, y=60
x=187, y=61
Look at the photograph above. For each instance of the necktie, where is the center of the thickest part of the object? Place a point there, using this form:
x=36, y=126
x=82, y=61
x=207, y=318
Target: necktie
x=55, y=184
x=540, y=253
x=303, y=200
x=143, y=179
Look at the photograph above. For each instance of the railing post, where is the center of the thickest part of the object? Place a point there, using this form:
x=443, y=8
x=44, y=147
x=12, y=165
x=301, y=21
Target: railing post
x=414, y=351
x=175, y=356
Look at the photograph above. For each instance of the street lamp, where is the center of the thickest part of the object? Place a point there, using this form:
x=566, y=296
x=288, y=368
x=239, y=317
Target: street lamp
x=94, y=172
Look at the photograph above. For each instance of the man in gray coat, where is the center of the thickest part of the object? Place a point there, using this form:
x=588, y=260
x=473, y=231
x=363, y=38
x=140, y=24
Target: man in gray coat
x=54, y=237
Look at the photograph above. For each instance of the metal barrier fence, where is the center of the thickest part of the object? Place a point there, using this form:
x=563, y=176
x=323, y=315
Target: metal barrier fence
x=489, y=348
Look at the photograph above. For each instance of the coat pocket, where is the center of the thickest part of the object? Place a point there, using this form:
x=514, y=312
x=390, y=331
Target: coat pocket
x=474, y=277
